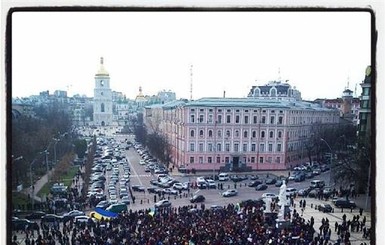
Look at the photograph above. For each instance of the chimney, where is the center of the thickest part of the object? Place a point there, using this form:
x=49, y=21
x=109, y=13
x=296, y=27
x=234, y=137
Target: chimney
x=224, y=93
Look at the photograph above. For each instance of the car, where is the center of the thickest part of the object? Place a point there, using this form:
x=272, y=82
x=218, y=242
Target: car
x=303, y=192
x=269, y=195
x=216, y=207
x=163, y=204
x=117, y=207
x=279, y=183
x=197, y=198
x=153, y=190
x=252, y=203
x=72, y=214
x=291, y=191
x=230, y=193
x=170, y=191
x=313, y=193
x=35, y=215
x=103, y=204
x=138, y=188
x=326, y=208
x=211, y=184
x=81, y=219
x=180, y=186
x=261, y=187
x=270, y=181
x=255, y=183
x=50, y=218
x=142, y=162
x=23, y=224
x=125, y=200
x=344, y=203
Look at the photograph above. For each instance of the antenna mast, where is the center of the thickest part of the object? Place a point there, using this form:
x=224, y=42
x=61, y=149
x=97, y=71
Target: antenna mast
x=191, y=82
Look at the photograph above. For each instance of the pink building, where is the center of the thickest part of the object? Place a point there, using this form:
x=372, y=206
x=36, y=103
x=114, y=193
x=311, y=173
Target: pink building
x=237, y=133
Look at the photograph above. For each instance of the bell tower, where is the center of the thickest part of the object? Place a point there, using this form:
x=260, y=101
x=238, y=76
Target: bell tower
x=102, y=97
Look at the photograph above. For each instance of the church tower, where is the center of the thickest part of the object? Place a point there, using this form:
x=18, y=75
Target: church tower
x=102, y=97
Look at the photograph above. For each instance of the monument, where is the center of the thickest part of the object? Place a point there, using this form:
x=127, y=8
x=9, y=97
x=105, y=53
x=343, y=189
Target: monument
x=284, y=209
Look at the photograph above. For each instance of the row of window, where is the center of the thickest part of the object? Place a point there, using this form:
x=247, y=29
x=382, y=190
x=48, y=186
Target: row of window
x=236, y=147
x=230, y=110
x=237, y=133
x=237, y=119
x=203, y=160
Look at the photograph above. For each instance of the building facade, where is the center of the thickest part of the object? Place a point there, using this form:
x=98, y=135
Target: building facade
x=103, y=111
x=364, y=128
x=241, y=133
x=275, y=90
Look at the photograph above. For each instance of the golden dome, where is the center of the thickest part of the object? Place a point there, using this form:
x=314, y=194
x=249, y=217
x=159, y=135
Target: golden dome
x=102, y=71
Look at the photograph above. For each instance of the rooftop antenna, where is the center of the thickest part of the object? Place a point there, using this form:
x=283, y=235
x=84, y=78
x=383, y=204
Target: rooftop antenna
x=355, y=91
x=191, y=82
x=279, y=74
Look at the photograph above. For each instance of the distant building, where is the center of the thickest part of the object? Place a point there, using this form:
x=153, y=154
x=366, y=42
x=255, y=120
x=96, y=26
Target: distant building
x=365, y=119
x=60, y=94
x=140, y=100
x=237, y=133
x=347, y=105
x=166, y=96
x=103, y=114
x=22, y=107
x=275, y=90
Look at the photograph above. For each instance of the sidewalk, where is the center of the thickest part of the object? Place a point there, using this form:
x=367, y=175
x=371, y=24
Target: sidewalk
x=38, y=185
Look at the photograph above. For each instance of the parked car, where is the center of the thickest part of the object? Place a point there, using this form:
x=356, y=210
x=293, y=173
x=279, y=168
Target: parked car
x=269, y=195
x=180, y=186
x=278, y=183
x=261, y=187
x=326, y=208
x=303, y=192
x=50, y=218
x=23, y=224
x=197, y=198
x=125, y=200
x=252, y=203
x=35, y=215
x=72, y=214
x=270, y=181
x=344, y=203
x=117, y=207
x=230, y=193
x=255, y=183
x=103, y=204
x=291, y=191
x=163, y=204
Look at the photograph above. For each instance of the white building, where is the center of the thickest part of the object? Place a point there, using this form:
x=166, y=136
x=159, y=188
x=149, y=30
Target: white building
x=102, y=98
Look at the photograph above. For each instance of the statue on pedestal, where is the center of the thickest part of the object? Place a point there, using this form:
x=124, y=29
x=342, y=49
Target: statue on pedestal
x=282, y=201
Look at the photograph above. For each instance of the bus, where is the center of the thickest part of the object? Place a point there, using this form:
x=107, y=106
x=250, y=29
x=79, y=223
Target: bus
x=317, y=184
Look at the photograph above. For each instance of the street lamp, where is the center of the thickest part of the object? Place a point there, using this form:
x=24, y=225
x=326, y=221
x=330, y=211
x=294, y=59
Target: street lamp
x=331, y=161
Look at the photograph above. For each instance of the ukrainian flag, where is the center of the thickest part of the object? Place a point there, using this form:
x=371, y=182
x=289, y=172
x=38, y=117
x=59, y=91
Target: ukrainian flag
x=101, y=213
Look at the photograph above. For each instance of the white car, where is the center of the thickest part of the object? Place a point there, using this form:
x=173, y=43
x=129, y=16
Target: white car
x=230, y=193
x=142, y=162
x=180, y=186
x=291, y=191
x=269, y=195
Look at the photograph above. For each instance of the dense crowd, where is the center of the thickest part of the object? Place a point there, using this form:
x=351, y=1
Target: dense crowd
x=189, y=225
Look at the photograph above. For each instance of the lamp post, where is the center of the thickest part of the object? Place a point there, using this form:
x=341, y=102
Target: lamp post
x=331, y=161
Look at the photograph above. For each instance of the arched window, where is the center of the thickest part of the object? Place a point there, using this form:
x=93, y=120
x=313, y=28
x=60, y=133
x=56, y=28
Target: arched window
x=244, y=134
x=102, y=107
x=236, y=133
x=201, y=133
x=262, y=134
x=256, y=92
x=219, y=133
x=271, y=134
x=228, y=133
x=210, y=133
x=192, y=133
x=254, y=135
x=273, y=92
x=279, y=134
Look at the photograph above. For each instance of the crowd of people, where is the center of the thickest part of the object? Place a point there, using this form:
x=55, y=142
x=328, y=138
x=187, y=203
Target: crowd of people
x=190, y=224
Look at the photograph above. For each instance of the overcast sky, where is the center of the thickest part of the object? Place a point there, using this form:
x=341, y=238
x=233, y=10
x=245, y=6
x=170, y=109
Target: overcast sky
x=318, y=52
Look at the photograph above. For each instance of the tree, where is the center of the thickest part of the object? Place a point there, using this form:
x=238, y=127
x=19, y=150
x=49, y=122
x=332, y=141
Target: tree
x=80, y=147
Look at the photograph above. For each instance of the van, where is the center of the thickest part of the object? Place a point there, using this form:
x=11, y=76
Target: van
x=223, y=177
